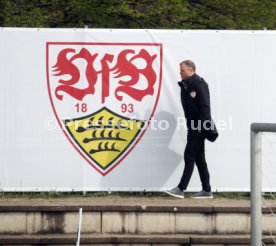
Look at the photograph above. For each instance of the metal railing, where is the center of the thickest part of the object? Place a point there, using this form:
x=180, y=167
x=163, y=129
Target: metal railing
x=256, y=179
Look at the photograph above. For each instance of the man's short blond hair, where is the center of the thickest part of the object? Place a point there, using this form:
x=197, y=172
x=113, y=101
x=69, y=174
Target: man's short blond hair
x=189, y=64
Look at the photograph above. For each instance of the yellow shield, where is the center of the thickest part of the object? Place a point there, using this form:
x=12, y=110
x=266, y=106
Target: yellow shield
x=104, y=135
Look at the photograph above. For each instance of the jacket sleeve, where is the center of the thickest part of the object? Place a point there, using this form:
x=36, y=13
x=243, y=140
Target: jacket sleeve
x=181, y=91
x=204, y=102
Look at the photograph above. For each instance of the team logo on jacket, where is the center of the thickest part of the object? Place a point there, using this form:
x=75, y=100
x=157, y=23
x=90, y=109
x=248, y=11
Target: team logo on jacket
x=193, y=94
x=104, y=96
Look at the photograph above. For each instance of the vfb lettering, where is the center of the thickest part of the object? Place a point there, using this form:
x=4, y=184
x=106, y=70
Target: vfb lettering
x=125, y=71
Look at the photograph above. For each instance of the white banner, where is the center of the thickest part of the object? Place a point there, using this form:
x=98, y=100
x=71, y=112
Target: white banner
x=100, y=109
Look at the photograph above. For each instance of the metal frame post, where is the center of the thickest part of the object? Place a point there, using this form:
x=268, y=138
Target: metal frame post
x=256, y=179
x=256, y=184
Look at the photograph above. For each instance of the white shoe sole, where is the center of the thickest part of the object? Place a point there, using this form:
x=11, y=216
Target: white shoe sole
x=203, y=197
x=171, y=194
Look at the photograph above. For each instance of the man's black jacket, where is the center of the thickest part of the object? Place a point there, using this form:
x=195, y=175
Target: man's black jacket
x=195, y=100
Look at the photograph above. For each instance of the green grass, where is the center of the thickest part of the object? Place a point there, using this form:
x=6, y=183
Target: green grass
x=233, y=195
x=64, y=195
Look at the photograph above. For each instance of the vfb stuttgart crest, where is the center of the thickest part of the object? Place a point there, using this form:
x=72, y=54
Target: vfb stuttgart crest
x=101, y=94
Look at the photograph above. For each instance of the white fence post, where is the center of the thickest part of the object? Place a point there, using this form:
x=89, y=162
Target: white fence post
x=79, y=227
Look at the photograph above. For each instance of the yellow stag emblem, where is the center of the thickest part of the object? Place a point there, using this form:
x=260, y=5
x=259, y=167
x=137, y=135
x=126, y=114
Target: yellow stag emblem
x=104, y=135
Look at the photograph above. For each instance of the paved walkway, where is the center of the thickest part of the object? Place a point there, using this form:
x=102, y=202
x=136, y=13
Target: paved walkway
x=132, y=204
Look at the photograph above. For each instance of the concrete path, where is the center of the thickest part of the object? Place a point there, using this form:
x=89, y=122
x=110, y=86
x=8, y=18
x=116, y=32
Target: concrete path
x=132, y=204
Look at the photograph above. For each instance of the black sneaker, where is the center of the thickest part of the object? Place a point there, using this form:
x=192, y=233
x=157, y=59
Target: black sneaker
x=176, y=192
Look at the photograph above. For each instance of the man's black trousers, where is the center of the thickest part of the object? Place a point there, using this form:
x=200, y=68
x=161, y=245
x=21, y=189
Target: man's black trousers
x=195, y=154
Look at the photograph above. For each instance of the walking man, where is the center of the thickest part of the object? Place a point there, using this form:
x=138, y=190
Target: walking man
x=195, y=100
